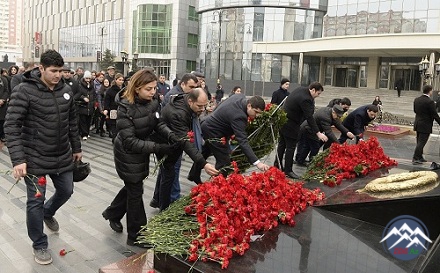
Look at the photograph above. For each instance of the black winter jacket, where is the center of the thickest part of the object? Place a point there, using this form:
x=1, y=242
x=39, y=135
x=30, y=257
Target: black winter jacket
x=41, y=126
x=178, y=116
x=132, y=148
x=85, y=90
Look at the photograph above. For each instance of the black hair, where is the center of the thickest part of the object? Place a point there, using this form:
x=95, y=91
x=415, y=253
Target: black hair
x=188, y=76
x=51, y=58
x=257, y=102
x=345, y=101
x=373, y=108
x=427, y=89
x=317, y=86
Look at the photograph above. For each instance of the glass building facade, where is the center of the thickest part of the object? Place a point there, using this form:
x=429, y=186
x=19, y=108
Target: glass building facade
x=229, y=30
x=378, y=17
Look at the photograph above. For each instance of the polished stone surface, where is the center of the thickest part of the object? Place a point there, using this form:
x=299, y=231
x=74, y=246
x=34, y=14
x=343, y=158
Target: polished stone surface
x=340, y=234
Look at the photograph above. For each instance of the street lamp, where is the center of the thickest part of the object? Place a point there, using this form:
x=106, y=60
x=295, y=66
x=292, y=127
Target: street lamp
x=246, y=59
x=429, y=70
x=219, y=13
x=124, y=57
x=135, y=60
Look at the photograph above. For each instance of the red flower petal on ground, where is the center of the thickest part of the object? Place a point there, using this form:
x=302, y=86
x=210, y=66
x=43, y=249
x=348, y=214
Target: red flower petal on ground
x=63, y=252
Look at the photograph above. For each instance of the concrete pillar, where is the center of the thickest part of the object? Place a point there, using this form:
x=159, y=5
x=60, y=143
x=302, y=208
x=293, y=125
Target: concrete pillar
x=300, y=67
x=373, y=72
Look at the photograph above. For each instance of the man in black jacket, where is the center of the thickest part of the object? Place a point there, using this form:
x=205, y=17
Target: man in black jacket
x=325, y=118
x=181, y=115
x=229, y=118
x=279, y=95
x=299, y=106
x=357, y=120
x=42, y=138
x=424, y=107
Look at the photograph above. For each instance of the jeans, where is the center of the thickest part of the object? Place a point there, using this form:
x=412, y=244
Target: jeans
x=37, y=209
x=175, y=189
x=129, y=200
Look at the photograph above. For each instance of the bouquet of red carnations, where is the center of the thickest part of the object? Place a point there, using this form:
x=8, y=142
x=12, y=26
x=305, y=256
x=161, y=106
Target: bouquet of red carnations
x=220, y=216
x=347, y=161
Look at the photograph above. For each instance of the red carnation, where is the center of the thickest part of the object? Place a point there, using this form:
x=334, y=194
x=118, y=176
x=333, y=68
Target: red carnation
x=42, y=181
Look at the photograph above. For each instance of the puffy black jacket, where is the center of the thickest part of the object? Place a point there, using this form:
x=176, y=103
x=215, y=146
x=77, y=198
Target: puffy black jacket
x=132, y=148
x=41, y=126
x=178, y=116
x=85, y=90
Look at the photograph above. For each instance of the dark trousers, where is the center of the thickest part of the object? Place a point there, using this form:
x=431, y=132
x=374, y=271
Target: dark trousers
x=398, y=92
x=37, y=209
x=84, y=124
x=129, y=201
x=221, y=153
x=175, y=187
x=286, y=146
x=422, y=139
x=166, y=179
x=307, y=146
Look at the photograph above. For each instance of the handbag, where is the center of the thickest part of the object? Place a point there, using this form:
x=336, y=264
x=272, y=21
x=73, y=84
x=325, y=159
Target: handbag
x=113, y=114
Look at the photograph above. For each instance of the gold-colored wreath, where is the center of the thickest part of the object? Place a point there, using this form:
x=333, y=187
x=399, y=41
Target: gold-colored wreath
x=402, y=184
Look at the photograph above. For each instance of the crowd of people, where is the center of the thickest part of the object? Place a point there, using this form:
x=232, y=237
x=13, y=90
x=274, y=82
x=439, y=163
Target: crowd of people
x=48, y=110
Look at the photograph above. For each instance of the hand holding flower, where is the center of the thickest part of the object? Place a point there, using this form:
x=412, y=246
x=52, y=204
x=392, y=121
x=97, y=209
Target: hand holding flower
x=210, y=169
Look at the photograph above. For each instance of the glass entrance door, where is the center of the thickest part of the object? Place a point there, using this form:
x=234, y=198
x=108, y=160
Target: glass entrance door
x=346, y=77
x=411, y=78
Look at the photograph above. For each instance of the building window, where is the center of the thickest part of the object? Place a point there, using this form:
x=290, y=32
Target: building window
x=192, y=14
x=193, y=40
x=191, y=66
x=152, y=28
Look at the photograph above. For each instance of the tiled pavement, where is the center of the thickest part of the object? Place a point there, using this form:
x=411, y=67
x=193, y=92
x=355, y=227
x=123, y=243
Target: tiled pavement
x=82, y=226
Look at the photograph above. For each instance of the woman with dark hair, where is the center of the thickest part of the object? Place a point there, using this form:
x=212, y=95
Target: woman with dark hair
x=101, y=95
x=137, y=119
x=235, y=90
x=110, y=106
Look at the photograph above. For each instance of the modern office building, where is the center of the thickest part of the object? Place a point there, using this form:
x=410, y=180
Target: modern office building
x=10, y=29
x=359, y=43
x=160, y=35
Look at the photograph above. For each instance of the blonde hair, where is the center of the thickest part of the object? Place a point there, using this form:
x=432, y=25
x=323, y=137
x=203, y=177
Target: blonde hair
x=139, y=79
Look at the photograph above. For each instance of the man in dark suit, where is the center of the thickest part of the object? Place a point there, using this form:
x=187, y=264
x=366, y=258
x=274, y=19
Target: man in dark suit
x=357, y=120
x=424, y=107
x=325, y=118
x=229, y=118
x=299, y=106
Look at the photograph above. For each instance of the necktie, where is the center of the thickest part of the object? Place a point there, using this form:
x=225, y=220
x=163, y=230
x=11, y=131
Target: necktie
x=198, y=139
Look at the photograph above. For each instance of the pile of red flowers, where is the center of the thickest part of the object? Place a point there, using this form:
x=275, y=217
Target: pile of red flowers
x=230, y=210
x=347, y=161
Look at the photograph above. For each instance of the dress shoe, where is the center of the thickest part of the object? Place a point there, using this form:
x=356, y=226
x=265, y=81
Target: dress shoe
x=422, y=160
x=115, y=225
x=154, y=203
x=132, y=242
x=417, y=162
x=292, y=175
